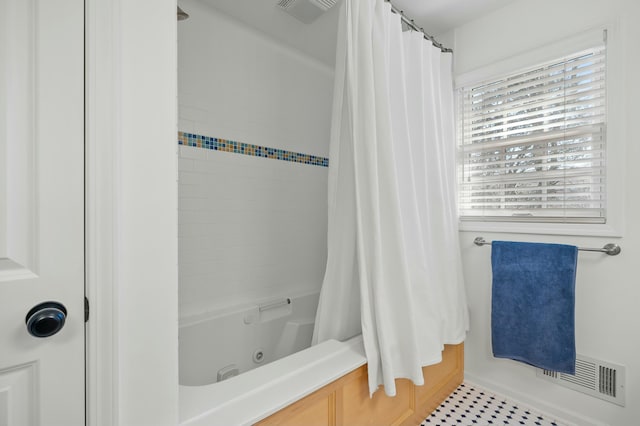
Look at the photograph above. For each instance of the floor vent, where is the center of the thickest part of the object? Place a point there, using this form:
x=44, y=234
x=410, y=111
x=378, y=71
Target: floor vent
x=593, y=377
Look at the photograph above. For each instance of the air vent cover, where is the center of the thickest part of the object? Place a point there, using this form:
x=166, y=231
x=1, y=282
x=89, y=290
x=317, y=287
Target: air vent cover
x=285, y=3
x=306, y=11
x=597, y=378
x=326, y=4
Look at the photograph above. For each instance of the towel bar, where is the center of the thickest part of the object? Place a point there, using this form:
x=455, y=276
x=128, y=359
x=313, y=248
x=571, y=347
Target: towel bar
x=610, y=249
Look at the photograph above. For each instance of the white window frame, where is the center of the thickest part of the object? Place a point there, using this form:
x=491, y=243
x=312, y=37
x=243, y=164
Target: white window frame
x=615, y=130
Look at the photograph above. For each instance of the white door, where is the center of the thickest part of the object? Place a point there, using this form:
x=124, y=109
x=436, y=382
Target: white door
x=41, y=211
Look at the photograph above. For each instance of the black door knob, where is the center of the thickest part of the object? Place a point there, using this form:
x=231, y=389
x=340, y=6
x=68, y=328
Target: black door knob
x=46, y=319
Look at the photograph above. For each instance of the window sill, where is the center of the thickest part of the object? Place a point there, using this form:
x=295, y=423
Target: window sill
x=576, y=229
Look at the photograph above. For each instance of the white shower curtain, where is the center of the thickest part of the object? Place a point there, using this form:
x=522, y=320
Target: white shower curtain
x=393, y=269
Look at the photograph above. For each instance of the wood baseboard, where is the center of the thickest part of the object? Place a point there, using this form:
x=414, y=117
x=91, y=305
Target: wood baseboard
x=346, y=401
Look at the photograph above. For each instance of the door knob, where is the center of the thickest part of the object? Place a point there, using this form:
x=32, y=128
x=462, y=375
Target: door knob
x=46, y=319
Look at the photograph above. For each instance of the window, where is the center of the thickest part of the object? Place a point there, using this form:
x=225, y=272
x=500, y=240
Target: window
x=532, y=144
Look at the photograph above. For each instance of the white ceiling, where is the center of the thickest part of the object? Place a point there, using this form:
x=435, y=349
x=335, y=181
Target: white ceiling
x=440, y=16
x=318, y=39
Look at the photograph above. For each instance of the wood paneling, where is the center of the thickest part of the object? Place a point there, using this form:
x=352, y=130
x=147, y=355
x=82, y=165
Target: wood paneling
x=346, y=401
x=317, y=409
x=439, y=381
x=358, y=408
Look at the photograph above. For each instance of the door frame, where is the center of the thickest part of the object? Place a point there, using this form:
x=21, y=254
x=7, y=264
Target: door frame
x=131, y=212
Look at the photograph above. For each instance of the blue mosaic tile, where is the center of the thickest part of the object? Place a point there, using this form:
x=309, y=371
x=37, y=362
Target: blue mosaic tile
x=218, y=144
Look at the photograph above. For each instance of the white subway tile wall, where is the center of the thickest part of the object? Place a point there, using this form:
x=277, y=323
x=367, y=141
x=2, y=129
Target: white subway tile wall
x=249, y=228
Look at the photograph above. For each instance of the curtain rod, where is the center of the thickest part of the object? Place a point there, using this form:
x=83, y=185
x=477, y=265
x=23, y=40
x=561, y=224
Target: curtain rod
x=413, y=26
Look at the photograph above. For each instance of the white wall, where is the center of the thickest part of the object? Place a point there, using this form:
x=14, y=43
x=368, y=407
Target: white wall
x=131, y=213
x=250, y=228
x=607, y=287
x=146, y=230
x=236, y=83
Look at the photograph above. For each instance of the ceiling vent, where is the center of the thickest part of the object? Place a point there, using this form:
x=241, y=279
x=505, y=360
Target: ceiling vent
x=597, y=378
x=306, y=11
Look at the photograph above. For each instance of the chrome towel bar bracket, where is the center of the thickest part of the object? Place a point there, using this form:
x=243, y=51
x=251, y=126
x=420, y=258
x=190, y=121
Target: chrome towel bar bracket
x=610, y=249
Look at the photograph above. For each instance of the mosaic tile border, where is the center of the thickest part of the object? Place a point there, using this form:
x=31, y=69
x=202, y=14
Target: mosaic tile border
x=226, y=145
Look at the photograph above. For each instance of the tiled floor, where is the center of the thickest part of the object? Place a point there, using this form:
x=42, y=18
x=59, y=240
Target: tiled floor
x=470, y=405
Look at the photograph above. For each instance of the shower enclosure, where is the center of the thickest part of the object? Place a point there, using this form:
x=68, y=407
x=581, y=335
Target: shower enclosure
x=254, y=119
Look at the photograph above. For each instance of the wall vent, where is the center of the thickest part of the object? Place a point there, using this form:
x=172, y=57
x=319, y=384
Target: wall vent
x=306, y=11
x=597, y=378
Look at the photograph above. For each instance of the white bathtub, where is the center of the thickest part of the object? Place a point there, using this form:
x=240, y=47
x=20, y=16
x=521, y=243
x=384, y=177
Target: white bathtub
x=254, y=395
x=211, y=343
x=224, y=343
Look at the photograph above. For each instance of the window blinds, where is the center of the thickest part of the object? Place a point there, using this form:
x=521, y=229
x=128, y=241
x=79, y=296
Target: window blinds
x=532, y=144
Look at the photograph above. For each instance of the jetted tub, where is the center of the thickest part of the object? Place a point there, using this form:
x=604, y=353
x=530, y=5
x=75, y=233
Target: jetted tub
x=220, y=383
x=216, y=346
x=330, y=377
x=254, y=395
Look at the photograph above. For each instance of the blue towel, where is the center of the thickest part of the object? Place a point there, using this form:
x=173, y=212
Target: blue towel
x=533, y=304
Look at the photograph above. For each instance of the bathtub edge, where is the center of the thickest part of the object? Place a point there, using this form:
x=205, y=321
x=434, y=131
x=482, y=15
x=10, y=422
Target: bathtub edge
x=321, y=365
